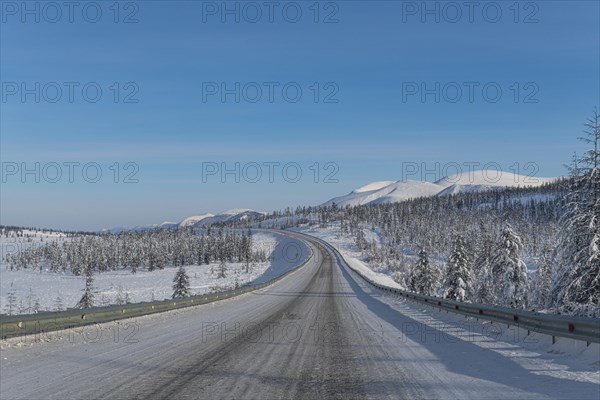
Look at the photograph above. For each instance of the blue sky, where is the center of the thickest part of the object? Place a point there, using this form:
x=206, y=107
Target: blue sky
x=364, y=120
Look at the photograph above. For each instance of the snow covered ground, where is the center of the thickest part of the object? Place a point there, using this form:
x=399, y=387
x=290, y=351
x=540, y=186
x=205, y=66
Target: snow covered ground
x=53, y=291
x=345, y=245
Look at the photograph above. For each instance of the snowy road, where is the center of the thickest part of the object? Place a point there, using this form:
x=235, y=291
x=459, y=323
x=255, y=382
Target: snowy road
x=319, y=333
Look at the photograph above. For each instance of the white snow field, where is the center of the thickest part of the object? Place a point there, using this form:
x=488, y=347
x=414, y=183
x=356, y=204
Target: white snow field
x=63, y=290
x=321, y=332
x=390, y=193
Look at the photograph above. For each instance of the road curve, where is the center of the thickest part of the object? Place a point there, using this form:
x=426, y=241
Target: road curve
x=319, y=333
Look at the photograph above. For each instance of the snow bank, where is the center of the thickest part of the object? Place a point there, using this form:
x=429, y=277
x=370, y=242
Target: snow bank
x=349, y=252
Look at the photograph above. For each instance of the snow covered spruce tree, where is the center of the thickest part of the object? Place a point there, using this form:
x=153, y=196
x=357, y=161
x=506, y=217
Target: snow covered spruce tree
x=576, y=288
x=247, y=249
x=181, y=284
x=414, y=277
x=87, y=300
x=484, y=284
x=424, y=276
x=222, y=271
x=509, y=272
x=458, y=274
x=542, y=281
x=11, y=302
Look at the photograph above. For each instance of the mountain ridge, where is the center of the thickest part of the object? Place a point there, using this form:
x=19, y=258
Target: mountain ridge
x=395, y=191
x=236, y=214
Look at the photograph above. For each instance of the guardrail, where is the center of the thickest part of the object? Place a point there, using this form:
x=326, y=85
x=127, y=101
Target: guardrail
x=580, y=328
x=28, y=324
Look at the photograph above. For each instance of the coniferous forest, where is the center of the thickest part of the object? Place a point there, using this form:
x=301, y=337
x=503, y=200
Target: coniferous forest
x=149, y=250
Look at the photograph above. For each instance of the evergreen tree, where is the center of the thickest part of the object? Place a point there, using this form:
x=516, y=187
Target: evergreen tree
x=424, y=275
x=509, y=271
x=222, y=270
x=543, y=281
x=577, y=285
x=484, y=245
x=119, y=300
x=458, y=276
x=181, y=284
x=415, y=276
x=87, y=300
x=11, y=302
x=484, y=290
x=247, y=249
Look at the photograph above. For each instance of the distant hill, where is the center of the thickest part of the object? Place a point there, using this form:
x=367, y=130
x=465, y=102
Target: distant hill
x=383, y=192
x=238, y=214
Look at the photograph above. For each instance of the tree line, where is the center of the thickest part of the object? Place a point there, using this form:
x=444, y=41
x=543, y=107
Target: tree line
x=149, y=250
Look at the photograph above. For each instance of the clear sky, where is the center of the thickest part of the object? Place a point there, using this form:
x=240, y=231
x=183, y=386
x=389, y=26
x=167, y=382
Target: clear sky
x=382, y=84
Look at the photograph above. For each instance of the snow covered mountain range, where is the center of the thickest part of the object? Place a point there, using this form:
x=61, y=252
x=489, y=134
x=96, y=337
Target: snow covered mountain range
x=395, y=191
x=233, y=215
x=381, y=192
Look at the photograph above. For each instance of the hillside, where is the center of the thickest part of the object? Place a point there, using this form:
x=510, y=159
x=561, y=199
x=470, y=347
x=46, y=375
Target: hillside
x=385, y=192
